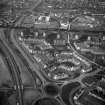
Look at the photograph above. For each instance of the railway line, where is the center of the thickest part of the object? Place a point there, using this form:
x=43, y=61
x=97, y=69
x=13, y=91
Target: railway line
x=53, y=29
x=15, y=71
